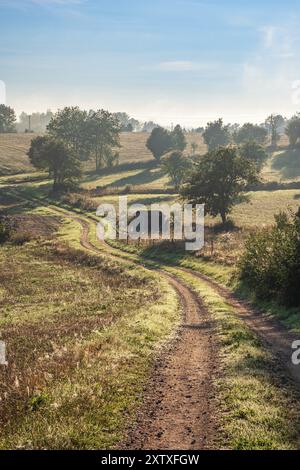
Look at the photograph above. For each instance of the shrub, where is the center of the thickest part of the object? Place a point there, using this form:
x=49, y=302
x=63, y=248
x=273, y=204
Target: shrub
x=19, y=238
x=79, y=201
x=270, y=265
x=5, y=229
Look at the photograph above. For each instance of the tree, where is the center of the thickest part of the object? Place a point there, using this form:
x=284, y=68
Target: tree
x=127, y=128
x=254, y=152
x=127, y=124
x=216, y=134
x=194, y=147
x=38, y=121
x=178, y=138
x=159, y=142
x=250, y=132
x=148, y=126
x=104, y=134
x=70, y=125
x=293, y=130
x=7, y=119
x=274, y=121
x=176, y=166
x=218, y=179
x=62, y=163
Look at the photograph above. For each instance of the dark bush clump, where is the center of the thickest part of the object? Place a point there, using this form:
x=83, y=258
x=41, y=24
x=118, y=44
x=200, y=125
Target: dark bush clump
x=5, y=229
x=270, y=265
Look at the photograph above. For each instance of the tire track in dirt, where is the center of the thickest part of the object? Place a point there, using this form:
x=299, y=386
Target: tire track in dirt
x=178, y=411
x=273, y=334
x=179, y=404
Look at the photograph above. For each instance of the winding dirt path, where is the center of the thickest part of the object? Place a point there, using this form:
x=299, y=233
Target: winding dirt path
x=178, y=411
x=273, y=334
x=179, y=408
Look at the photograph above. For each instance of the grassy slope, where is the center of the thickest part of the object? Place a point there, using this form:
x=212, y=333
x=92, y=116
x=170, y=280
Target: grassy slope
x=13, y=148
x=103, y=373
x=258, y=410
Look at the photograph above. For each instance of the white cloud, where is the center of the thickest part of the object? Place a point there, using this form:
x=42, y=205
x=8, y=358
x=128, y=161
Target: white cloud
x=269, y=73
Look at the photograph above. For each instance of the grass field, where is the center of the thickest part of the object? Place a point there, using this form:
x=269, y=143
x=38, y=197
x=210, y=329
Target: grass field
x=79, y=384
x=13, y=158
x=13, y=148
x=73, y=379
x=84, y=362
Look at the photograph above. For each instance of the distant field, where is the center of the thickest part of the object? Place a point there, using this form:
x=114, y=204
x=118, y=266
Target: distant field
x=13, y=148
x=13, y=158
x=283, y=165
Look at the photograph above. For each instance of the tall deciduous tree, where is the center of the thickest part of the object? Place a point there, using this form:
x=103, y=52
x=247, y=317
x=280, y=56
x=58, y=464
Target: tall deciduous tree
x=159, y=142
x=293, y=130
x=254, y=152
x=251, y=132
x=60, y=161
x=218, y=180
x=178, y=138
x=71, y=127
x=176, y=166
x=274, y=121
x=104, y=133
x=7, y=119
x=216, y=134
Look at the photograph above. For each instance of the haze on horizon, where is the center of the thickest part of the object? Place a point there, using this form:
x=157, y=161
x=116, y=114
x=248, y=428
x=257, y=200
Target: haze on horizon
x=166, y=60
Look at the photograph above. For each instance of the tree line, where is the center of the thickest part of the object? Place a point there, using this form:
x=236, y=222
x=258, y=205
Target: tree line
x=215, y=134
x=37, y=122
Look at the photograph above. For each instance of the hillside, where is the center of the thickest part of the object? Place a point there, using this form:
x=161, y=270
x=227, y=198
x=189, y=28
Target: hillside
x=13, y=148
x=13, y=158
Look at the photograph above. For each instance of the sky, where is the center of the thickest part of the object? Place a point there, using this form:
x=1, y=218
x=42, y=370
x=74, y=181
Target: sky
x=186, y=61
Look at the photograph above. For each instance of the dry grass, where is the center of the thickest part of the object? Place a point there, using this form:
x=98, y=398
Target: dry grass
x=58, y=313
x=13, y=158
x=13, y=148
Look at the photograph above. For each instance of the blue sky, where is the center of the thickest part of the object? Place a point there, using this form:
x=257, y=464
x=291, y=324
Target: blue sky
x=184, y=61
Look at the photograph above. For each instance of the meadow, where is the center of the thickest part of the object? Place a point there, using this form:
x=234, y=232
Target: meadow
x=75, y=382
x=13, y=149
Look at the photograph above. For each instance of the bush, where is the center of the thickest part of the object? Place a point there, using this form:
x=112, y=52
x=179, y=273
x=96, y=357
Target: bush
x=19, y=238
x=5, y=229
x=79, y=201
x=270, y=265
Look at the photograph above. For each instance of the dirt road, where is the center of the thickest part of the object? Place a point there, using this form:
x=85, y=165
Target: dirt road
x=178, y=411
